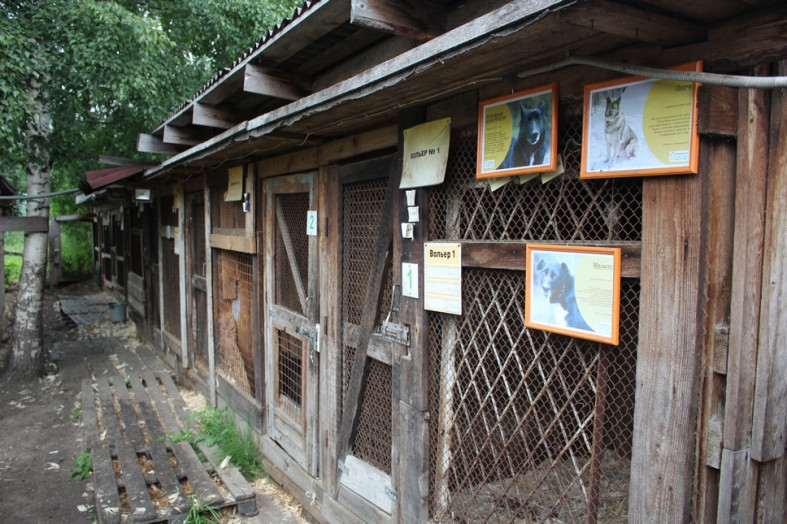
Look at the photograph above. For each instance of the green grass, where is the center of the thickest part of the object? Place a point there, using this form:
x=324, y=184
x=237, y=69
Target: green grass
x=200, y=512
x=83, y=467
x=76, y=411
x=218, y=427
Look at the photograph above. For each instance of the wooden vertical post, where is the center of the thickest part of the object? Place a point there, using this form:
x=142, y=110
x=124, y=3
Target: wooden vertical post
x=410, y=470
x=737, y=484
x=330, y=255
x=180, y=248
x=668, y=356
x=209, y=284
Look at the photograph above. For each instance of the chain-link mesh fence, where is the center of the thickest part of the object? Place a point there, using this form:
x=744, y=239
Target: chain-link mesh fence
x=234, y=325
x=529, y=426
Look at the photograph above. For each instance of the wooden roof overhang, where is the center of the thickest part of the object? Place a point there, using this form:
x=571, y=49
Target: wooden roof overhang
x=493, y=47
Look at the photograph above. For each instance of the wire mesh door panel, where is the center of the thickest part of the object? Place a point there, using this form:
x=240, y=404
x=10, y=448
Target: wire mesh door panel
x=292, y=364
x=529, y=426
x=362, y=204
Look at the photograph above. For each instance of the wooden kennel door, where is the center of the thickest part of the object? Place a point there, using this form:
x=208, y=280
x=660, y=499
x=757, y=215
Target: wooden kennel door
x=291, y=303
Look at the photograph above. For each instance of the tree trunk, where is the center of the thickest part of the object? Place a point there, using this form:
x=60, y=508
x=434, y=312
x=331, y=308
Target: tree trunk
x=26, y=352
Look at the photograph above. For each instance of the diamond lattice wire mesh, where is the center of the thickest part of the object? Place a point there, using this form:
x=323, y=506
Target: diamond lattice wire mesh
x=361, y=213
x=528, y=425
x=234, y=326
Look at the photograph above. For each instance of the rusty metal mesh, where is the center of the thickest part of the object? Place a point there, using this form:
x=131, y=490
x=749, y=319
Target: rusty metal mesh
x=233, y=314
x=290, y=357
x=362, y=208
x=292, y=251
x=529, y=426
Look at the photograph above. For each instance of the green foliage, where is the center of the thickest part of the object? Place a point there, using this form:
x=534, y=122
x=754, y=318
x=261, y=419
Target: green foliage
x=200, y=512
x=115, y=68
x=218, y=427
x=83, y=467
x=76, y=411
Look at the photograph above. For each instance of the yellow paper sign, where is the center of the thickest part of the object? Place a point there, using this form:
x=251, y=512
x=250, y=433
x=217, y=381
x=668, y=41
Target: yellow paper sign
x=234, y=184
x=425, y=154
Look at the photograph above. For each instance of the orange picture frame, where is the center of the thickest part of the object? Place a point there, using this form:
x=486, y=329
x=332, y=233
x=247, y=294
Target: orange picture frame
x=638, y=126
x=517, y=133
x=574, y=291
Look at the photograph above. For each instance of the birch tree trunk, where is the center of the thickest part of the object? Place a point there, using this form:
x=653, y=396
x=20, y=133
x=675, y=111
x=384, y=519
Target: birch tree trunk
x=27, y=346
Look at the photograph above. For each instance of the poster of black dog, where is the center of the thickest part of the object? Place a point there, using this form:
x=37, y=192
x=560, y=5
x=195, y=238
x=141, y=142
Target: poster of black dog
x=573, y=291
x=518, y=133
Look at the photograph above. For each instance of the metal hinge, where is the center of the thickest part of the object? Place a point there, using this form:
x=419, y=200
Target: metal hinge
x=312, y=333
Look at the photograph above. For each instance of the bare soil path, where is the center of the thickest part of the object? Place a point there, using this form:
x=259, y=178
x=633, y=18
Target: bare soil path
x=41, y=432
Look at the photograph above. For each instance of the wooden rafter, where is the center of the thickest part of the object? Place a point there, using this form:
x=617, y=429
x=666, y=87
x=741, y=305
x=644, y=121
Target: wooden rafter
x=213, y=116
x=259, y=81
x=398, y=17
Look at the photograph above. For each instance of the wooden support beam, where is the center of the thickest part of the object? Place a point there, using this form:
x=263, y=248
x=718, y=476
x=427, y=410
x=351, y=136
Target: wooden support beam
x=152, y=144
x=258, y=81
x=213, y=116
x=421, y=21
x=371, y=306
x=665, y=414
x=632, y=22
x=26, y=224
x=185, y=136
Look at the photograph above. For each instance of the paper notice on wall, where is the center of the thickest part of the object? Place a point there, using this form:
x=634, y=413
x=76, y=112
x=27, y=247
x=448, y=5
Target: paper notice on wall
x=443, y=277
x=425, y=154
x=234, y=184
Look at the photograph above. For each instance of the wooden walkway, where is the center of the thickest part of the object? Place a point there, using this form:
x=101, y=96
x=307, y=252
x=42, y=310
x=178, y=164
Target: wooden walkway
x=139, y=473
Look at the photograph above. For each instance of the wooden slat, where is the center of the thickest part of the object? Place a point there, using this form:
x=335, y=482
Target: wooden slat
x=127, y=415
x=167, y=477
x=142, y=507
x=190, y=464
x=769, y=423
x=26, y=224
x=107, y=498
x=511, y=255
x=230, y=476
x=257, y=80
x=329, y=230
x=399, y=18
x=667, y=356
x=241, y=244
x=153, y=144
x=212, y=116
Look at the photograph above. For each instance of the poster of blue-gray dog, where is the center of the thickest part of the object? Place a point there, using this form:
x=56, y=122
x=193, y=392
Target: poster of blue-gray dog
x=517, y=133
x=573, y=290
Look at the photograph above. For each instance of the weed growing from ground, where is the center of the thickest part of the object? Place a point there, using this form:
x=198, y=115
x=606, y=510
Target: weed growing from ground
x=200, y=512
x=76, y=411
x=218, y=427
x=83, y=467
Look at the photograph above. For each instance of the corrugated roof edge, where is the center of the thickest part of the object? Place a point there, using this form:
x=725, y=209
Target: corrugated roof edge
x=243, y=59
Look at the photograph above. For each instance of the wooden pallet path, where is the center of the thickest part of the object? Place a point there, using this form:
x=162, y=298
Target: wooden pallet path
x=139, y=473
x=84, y=310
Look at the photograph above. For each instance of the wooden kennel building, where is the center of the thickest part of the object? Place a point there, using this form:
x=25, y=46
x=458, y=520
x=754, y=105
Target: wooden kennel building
x=267, y=254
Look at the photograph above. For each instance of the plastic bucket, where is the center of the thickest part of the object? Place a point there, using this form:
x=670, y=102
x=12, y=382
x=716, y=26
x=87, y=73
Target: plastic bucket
x=117, y=312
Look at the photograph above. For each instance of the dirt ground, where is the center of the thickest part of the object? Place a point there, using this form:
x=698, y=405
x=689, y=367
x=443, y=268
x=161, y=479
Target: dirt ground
x=40, y=437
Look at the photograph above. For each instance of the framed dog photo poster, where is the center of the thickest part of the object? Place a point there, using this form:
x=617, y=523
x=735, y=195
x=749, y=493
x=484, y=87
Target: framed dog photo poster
x=518, y=133
x=574, y=291
x=640, y=126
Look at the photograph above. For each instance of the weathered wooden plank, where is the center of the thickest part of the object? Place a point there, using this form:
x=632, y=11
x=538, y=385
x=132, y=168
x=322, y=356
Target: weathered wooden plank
x=230, y=476
x=633, y=22
x=259, y=81
x=399, y=18
x=769, y=417
x=379, y=347
x=737, y=487
x=717, y=114
x=204, y=487
x=329, y=153
x=180, y=411
x=329, y=234
x=750, y=197
x=109, y=419
x=719, y=160
x=242, y=244
x=105, y=484
x=167, y=477
x=142, y=507
x=26, y=224
x=772, y=502
x=511, y=255
x=668, y=354
x=127, y=415
x=213, y=116
x=152, y=144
